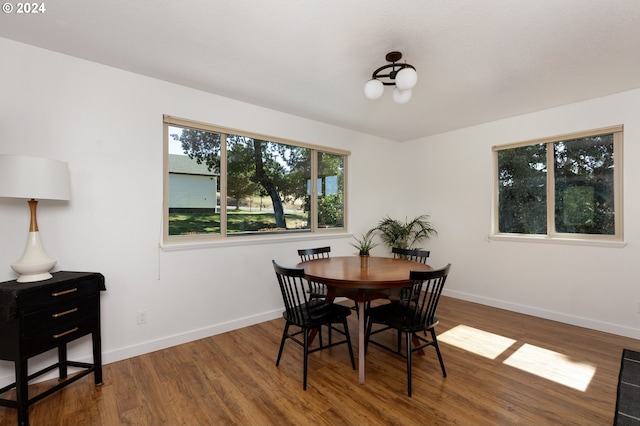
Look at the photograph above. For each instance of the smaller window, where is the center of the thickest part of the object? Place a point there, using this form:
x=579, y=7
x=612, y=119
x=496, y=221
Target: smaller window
x=563, y=187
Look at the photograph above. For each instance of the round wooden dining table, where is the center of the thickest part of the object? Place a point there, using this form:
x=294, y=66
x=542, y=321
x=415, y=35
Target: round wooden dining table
x=361, y=280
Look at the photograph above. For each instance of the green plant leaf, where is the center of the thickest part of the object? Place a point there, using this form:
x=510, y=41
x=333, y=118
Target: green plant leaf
x=395, y=233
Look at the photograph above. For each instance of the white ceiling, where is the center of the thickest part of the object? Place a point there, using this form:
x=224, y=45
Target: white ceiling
x=477, y=60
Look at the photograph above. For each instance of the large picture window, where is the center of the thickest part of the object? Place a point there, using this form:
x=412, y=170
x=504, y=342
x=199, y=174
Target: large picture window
x=225, y=183
x=564, y=187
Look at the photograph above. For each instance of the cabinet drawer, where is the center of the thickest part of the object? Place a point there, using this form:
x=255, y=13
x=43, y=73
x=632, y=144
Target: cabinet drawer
x=65, y=292
x=63, y=332
x=59, y=315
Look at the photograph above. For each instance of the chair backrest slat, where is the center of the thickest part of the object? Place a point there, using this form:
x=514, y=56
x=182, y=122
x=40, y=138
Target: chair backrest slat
x=428, y=285
x=314, y=253
x=293, y=286
x=416, y=255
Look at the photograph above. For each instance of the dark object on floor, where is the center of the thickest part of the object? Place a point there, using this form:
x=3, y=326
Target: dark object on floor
x=628, y=400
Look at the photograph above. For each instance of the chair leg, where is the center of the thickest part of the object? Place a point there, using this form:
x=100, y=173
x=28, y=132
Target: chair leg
x=400, y=341
x=367, y=334
x=435, y=344
x=409, y=363
x=346, y=333
x=284, y=338
x=306, y=358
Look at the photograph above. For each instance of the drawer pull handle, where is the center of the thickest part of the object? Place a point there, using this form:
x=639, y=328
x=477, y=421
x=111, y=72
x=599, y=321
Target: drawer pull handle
x=62, y=293
x=59, y=314
x=56, y=336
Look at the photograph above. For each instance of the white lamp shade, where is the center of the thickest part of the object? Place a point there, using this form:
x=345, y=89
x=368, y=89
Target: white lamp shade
x=373, y=89
x=33, y=177
x=401, y=96
x=406, y=78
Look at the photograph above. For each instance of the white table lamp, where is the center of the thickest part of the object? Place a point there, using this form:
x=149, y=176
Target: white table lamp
x=34, y=179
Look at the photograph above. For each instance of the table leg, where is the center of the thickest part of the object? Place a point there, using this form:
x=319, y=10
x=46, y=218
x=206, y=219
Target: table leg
x=361, y=321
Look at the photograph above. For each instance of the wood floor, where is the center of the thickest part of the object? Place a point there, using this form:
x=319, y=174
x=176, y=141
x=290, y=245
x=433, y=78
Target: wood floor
x=231, y=379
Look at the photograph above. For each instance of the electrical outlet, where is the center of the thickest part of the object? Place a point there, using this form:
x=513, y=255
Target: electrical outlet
x=142, y=316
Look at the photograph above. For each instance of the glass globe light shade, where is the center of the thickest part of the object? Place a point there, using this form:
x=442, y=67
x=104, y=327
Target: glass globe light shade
x=401, y=96
x=373, y=89
x=406, y=78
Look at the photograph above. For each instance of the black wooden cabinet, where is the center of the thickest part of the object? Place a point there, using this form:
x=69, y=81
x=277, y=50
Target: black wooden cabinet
x=44, y=315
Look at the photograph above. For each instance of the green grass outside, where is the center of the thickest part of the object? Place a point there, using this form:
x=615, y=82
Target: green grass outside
x=238, y=221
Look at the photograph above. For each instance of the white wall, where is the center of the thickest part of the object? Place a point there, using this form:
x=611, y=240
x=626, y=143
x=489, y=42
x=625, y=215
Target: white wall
x=107, y=124
x=597, y=287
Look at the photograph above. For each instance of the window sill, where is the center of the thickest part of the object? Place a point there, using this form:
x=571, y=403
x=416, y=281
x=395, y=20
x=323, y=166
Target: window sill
x=193, y=244
x=557, y=240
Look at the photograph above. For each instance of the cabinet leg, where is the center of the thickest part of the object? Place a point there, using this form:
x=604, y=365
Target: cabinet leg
x=62, y=359
x=97, y=357
x=22, y=391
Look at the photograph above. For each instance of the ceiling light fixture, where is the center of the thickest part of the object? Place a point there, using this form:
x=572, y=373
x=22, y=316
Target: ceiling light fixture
x=403, y=76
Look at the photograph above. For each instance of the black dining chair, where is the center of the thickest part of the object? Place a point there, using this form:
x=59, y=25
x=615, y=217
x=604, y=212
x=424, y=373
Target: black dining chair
x=316, y=290
x=307, y=314
x=411, y=316
x=416, y=255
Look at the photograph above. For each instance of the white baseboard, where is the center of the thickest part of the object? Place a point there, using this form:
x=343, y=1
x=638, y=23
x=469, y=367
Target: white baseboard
x=590, y=323
x=189, y=336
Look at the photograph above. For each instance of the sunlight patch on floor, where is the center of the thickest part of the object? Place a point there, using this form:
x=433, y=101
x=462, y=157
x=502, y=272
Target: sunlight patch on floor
x=479, y=342
x=552, y=366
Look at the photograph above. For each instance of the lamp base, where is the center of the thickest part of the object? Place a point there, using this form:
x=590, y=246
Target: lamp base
x=32, y=278
x=35, y=264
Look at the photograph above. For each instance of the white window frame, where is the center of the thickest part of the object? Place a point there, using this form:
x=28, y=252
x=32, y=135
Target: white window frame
x=616, y=240
x=177, y=242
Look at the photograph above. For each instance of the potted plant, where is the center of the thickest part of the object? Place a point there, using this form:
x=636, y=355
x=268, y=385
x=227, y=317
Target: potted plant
x=405, y=234
x=365, y=243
